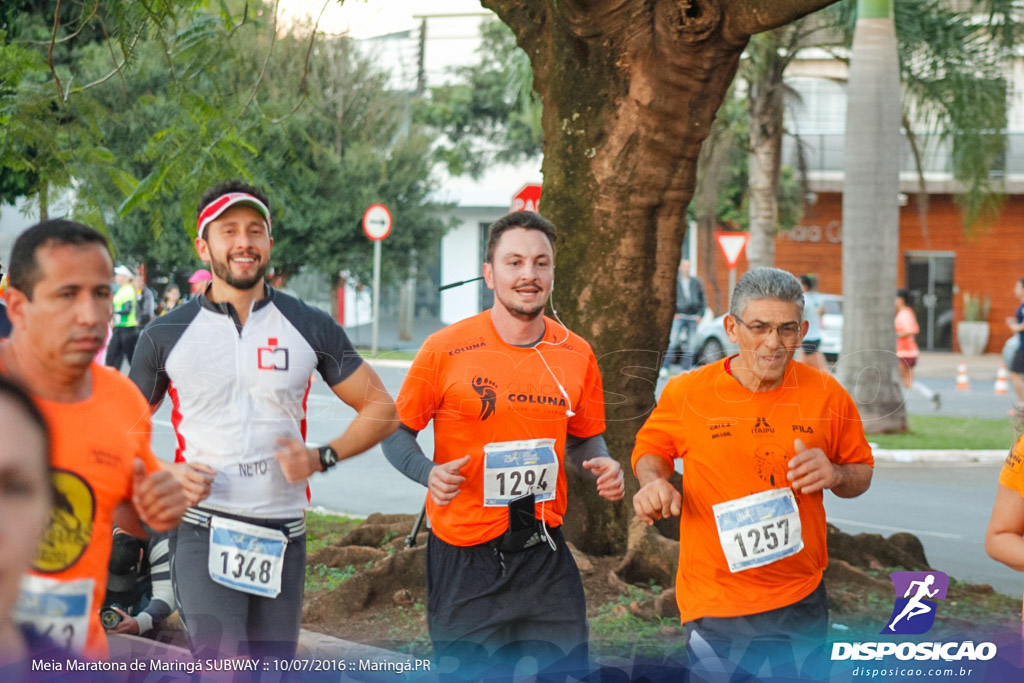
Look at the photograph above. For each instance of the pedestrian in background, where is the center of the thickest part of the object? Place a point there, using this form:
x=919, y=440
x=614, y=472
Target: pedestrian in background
x=814, y=307
x=125, y=321
x=906, y=347
x=171, y=300
x=145, y=301
x=1016, y=324
x=690, y=306
x=199, y=282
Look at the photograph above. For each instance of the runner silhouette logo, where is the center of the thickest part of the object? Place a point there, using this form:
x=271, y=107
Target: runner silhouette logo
x=916, y=596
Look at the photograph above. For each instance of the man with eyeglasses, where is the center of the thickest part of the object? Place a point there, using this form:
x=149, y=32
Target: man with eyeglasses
x=761, y=438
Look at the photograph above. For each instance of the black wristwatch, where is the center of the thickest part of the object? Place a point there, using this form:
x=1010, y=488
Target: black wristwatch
x=328, y=458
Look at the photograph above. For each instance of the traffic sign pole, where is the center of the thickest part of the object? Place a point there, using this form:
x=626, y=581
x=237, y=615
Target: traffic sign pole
x=376, y=298
x=377, y=226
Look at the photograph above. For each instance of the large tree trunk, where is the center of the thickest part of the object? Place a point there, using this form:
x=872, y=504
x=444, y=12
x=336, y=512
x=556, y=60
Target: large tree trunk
x=629, y=89
x=868, y=367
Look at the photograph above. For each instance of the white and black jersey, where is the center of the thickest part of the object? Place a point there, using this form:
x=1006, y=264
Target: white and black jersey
x=236, y=389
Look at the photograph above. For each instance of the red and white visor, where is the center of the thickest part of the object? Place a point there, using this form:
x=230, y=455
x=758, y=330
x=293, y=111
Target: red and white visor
x=225, y=202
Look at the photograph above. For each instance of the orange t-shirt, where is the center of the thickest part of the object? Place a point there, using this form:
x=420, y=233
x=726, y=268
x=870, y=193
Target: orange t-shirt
x=480, y=390
x=93, y=444
x=1012, y=474
x=735, y=443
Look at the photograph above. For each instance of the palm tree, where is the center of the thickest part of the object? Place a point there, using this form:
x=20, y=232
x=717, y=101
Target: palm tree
x=953, y=65
x=871, y=220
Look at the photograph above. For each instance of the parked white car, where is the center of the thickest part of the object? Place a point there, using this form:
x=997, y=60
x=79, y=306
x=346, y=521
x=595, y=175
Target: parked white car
x=711, y=342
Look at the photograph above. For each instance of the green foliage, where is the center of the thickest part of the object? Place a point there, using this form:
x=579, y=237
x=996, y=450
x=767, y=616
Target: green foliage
x=320, y=577
x=324, y=529
x=615, y=630
x=491, y=113
x=976, y=308
x=722, y=173
x=183, y=94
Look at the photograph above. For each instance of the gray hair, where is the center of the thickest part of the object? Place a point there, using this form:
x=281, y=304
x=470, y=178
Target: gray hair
x=766, y=283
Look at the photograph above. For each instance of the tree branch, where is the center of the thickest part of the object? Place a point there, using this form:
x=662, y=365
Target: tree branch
x=113, y=58
x=309, y=50
x=744, y=18
x=49, y=55
x=524, y=18
x=922, y=195
x=118, y=67
x=84, y=23
x=305, y=69
x=266, y=63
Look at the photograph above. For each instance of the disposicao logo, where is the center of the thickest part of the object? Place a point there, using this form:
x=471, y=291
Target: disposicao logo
x=914, y=612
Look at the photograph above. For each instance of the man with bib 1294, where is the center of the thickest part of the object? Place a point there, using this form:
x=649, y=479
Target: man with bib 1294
x=237, y=362
x=761, y=438
x=510, y=393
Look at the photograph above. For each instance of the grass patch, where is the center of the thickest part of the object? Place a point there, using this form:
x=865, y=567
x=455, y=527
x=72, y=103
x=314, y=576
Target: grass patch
x=614, y=630
x=320, y=577
x=932, y=431
x=385, y=354
x=324, y=529
x=404, y=629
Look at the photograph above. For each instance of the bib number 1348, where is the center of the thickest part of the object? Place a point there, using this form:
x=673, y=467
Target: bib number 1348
x=237, y=564
x=246, y=557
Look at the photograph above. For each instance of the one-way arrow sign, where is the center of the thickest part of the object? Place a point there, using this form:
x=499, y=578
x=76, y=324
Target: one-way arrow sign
x=377, y=222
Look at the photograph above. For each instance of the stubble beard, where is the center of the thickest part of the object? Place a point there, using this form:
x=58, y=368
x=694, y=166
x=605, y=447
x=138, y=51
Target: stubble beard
x=222, y=269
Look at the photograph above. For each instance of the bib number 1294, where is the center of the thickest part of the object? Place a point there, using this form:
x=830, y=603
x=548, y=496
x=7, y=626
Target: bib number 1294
x=516, y=468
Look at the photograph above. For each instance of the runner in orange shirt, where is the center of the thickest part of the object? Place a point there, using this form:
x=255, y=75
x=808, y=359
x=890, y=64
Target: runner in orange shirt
x=60, y=301
x=761, y=438
x=1004, y=540
x=512, y=393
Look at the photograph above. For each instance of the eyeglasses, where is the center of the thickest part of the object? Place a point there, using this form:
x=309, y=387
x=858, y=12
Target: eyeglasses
x=786, y=331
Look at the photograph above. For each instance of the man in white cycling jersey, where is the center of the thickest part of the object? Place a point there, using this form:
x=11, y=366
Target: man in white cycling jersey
x=236, y=362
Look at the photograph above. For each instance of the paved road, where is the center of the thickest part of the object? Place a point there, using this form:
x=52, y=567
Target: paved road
x=946, y=506
x=978, y=401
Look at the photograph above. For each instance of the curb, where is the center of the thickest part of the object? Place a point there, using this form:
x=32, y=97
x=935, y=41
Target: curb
x=939, y=455
x=388, y=363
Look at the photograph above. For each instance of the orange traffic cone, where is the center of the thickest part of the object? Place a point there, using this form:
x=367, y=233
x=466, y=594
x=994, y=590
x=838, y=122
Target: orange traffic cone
x=962, y=382
x=1002, y=387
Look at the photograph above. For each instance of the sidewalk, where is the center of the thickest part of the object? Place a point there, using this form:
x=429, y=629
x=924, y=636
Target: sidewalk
x=944, y=364
x=928, y=456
